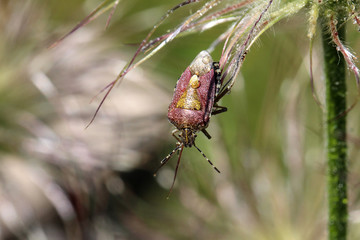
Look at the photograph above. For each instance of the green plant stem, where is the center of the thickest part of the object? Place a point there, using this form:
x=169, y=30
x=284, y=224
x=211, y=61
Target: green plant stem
x=335, y=133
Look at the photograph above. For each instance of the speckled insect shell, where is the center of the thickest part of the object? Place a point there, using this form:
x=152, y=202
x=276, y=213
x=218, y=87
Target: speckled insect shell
x=194, y=95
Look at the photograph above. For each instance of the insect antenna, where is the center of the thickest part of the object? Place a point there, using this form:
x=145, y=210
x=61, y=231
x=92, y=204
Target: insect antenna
x=167, y=158
x=215, y=168
x=176, y=169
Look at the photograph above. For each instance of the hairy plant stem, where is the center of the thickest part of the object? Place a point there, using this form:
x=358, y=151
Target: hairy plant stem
x=335, y=67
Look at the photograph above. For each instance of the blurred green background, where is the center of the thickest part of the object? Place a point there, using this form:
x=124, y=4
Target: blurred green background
x=61, y=181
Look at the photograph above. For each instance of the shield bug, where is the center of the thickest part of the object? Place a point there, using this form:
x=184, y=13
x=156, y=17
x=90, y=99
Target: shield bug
x=192, y=105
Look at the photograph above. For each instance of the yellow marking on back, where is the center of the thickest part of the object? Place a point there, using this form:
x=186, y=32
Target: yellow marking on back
x=194, y=82
x=190, y=98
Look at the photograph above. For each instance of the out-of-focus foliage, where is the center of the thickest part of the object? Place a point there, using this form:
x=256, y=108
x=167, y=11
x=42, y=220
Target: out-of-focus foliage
x=59, y=181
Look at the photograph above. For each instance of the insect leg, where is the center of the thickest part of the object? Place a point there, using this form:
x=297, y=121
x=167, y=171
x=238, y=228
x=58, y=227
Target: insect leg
x=176, y=169
x=218, y=109
x=230, y=83
x=206, y=133
x=174, y=134
x=227, y=87
x=215, y=168
x=217, y=72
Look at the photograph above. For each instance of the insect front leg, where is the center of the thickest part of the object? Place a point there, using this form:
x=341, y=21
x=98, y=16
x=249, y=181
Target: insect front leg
x=206, y=133
x=175, y=133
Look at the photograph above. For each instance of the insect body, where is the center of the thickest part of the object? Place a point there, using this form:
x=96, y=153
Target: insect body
x=193, y=104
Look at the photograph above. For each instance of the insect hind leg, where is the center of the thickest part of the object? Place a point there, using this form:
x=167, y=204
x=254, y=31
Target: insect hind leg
x=217, y=72
x=219, y=93
x=226, y=88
